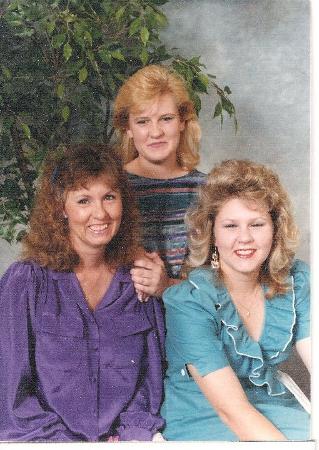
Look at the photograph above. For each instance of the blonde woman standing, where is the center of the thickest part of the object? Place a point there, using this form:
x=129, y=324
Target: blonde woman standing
x=159, y=138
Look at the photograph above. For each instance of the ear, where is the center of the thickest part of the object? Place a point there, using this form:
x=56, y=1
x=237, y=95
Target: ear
x=129, y=133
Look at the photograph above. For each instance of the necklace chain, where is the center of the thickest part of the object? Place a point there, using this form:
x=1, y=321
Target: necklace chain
x=251, y=305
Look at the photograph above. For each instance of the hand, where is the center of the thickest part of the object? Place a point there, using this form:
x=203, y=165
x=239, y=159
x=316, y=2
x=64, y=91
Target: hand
x=149, y=276
x=113, y=439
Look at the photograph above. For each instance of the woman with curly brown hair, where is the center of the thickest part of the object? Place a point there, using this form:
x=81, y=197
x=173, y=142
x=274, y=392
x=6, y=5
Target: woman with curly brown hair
x=238, y=315
x=159, y=138
x=80, y=356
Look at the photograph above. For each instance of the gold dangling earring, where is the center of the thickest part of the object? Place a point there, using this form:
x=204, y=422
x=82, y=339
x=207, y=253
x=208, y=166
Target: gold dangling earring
x=214, y=262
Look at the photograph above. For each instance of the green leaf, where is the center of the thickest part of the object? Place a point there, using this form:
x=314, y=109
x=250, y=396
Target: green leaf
x=26, y=130
x=7, y=73
x=117, y=54
x=144, y=56
x=60, y=90
x=227, y=90
x=88, y=38
x=228, y=106
x=67, y=51
x=83, y=74
x=58, y=40
x=135, y=26
x=201, y=83
x=218, y=110
x=50, y=27
x=197, y=103
x=119, y=13
x=65, y=113
x=105, y=56
x=161, y=19
x=145, y=34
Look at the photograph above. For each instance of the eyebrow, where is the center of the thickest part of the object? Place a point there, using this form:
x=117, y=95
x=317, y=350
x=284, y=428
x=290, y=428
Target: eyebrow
x=147, y=117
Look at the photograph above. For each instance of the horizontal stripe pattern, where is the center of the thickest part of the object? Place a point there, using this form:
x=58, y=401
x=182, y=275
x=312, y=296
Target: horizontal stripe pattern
x=163, y=204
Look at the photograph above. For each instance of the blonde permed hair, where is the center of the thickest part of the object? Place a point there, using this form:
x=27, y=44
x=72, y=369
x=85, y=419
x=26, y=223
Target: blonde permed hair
x=140, y=89
x=48, y=241
x=249, y=181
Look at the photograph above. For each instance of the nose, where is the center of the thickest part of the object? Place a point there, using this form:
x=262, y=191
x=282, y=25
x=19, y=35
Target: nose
x=245, y=235
x=99, y=210
x=155, y=130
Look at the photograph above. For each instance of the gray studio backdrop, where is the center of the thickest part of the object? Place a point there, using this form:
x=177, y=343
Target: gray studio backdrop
x=260, y=48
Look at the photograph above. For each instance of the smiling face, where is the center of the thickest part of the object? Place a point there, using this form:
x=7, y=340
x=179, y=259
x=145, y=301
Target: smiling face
x=94, y=214
x=156, y=130
x=243, y=235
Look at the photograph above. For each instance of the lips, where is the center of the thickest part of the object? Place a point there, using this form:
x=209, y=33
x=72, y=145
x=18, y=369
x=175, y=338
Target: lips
x=245, y=253
x=98, y=228
x=156, y=144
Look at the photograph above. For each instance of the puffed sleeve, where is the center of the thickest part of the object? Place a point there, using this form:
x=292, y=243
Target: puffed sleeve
x=141, y=419
x=23, y=418
x=192, y=325
x=300, y=273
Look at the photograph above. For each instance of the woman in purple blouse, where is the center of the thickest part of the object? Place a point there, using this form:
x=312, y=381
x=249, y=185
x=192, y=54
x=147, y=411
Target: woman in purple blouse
x=80, y=356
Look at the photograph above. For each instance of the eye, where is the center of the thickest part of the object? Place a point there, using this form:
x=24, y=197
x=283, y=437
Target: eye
x=230, y=225
x=167, y=118
x=110, y=197
x=83, y=201
x=141, y=121
x=257, y=224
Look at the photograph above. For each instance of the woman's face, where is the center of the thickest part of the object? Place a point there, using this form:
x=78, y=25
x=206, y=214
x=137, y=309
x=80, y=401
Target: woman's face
x=156, y=130
x=94, y=214
x=243, y=235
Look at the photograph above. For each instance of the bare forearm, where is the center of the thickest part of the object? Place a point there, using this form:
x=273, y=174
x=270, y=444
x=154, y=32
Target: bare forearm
x=224, y=392
x=250, y=425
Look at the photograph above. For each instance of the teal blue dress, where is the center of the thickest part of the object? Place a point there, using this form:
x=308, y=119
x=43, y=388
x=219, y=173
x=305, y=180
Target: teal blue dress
x=205, y=330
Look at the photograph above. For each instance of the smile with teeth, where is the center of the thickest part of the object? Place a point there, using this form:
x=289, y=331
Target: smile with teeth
x=98, y=228
x=245, y=253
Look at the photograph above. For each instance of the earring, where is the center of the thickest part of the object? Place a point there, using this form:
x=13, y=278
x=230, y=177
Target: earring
x=214, y=262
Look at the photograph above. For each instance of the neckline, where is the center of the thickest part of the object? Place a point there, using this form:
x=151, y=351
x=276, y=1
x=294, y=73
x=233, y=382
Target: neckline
x=239, y=319
x=106, y=298
x=161, y=179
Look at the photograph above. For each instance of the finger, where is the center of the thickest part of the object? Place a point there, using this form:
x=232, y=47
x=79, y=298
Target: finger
x=149, y=290
x=144, y=281
x=154, y=256
x=141, y=273
x=145, y=263
x=143, y=297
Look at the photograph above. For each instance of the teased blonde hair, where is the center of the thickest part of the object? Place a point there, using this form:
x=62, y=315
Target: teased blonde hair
x=139, y=90
x=252, y=182
x=47, y=241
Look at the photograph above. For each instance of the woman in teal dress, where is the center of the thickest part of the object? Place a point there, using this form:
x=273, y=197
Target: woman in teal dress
x=234, y=320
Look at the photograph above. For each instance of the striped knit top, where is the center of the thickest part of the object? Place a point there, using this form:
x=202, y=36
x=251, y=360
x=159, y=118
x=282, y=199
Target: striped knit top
x=162, y=205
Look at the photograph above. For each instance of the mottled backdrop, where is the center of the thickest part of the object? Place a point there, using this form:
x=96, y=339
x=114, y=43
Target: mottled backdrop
x=260, y=48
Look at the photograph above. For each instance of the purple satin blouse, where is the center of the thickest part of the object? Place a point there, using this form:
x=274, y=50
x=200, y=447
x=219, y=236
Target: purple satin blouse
x=70, y=374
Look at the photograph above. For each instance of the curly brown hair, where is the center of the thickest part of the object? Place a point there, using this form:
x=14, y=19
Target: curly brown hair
x=249, y=181
x=47, y=241
x=141, y=88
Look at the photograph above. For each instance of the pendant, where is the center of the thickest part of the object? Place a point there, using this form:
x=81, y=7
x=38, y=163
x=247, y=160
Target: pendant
x=247, y=313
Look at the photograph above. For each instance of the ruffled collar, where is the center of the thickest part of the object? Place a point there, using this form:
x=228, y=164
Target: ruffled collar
x=259, y=357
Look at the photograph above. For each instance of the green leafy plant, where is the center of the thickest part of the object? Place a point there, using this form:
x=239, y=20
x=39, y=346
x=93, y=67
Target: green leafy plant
x=61, y=64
